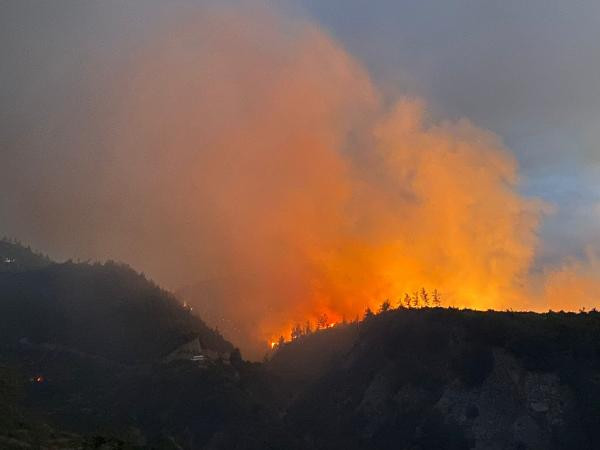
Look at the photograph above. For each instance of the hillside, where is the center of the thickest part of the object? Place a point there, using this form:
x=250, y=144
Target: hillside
x=81, y=366
x=81, y=362
x=440, y=378
x=14, y=257
x=107, y=310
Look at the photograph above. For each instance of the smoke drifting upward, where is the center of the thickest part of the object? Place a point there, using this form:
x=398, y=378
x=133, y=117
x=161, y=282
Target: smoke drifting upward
x=246, y=151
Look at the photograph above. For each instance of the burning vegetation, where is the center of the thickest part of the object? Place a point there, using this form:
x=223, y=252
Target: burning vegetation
x=421, y=298
x=247, y=148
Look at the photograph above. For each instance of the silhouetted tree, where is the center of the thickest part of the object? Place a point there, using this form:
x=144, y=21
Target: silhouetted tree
x=407, y=300
x=280, y=342
x=368, y=313
x=385, y=306
x=296, y=332
x=322, y=321
x=307, y=327
x=415, y=299
x=424, y=297
x=436, y=298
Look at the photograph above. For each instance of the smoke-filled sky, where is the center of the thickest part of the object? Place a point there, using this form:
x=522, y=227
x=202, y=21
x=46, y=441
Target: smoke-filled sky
x=275, y=161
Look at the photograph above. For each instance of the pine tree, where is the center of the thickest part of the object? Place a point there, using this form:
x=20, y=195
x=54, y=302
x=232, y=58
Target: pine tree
x=307, y=327
x=385, y=306
x=296, y=332
x=437, y=299
x=424, y=297
x=322, y=321
x=415, y=299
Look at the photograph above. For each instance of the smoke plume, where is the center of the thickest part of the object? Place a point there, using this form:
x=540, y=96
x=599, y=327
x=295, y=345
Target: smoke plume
x=245, y=158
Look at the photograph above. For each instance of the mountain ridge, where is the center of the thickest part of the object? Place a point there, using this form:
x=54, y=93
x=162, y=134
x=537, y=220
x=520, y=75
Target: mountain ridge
x=82, y=363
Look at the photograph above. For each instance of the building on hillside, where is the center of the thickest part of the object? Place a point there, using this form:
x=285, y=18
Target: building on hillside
x=193, y=350
x=189, y=350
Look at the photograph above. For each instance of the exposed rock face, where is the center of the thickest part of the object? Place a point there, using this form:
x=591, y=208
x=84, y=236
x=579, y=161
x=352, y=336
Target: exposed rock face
x=448, y=379
x=513, y=408
x=374, y=403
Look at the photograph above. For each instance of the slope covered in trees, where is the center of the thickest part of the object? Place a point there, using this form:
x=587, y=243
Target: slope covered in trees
x=81, y=367
x=107, y=310
x=447, y=378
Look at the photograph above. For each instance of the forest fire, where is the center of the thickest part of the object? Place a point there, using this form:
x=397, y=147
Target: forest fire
x=325, y=224
x=314, y=224
x=420, y=298
x=297, y=331
x=297, y=189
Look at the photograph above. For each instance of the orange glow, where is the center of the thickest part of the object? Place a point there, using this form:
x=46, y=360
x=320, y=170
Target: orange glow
x=289, y=187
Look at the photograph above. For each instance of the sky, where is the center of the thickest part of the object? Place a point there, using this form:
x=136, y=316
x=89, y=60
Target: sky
x=528, y=71
x=329, y=153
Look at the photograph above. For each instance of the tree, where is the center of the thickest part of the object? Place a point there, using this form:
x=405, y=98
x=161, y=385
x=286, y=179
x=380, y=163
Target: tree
x=368, y=313
x=407, y=300
x=280, y=342
x=424, y=297
x=415, y=299
x=385, y=306
x=322, y=321
x=437, y=299
x=296, y=332
x=307, y=328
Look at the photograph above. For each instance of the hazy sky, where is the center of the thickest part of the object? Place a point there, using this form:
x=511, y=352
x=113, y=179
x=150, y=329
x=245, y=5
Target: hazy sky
x=529, y=72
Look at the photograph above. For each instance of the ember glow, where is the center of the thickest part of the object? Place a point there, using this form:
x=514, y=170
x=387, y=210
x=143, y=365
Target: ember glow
x=246, y=155
x=39, y=379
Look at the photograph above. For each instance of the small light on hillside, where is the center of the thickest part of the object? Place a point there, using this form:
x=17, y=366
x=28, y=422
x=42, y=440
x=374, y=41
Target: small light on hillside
x=39, y=379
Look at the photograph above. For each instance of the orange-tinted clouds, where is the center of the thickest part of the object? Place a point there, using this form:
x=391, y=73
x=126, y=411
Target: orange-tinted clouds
x=259, y=149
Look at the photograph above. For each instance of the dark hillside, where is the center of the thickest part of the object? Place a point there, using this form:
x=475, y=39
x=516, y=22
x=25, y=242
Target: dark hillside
x=107, y=310
x=15, y=257
x=440, y=378
x=81, y=366
x=81, y=349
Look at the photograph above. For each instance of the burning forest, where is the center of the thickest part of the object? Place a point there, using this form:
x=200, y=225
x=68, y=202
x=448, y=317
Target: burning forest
x=289, y=198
